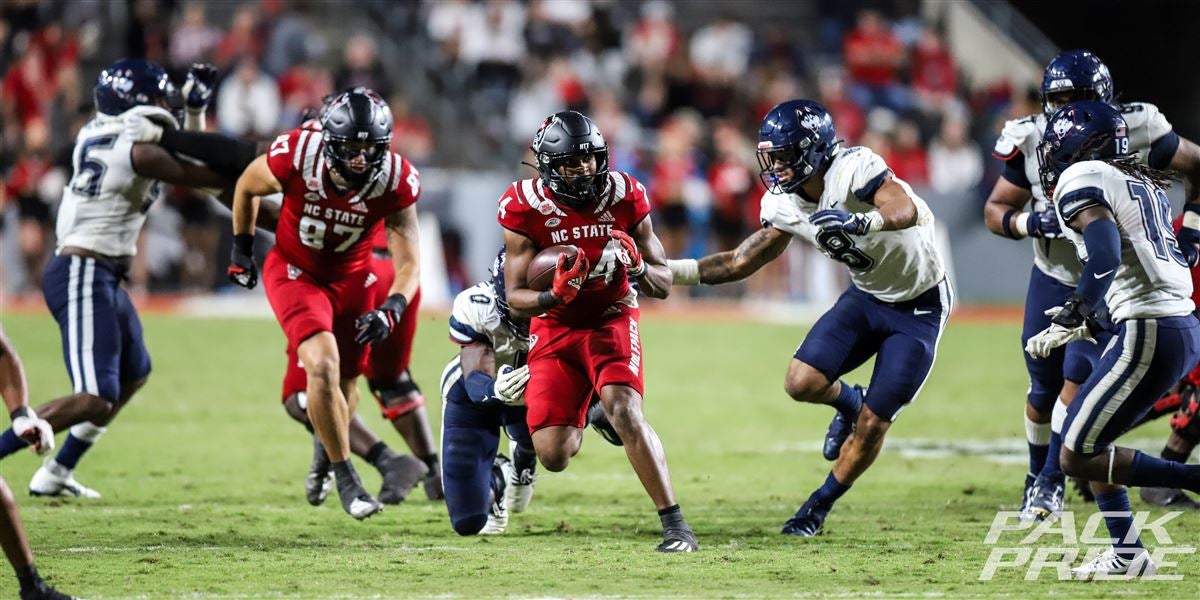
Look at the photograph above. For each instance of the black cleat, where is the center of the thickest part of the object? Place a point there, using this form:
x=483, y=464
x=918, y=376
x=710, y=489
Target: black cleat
x=678, y=539
x=355, y=499
x=1047, y=499
x=808, y=521
x=599, y=421
x=1027, y=495
x=433, y=484
x=400, y=475
x=319, y=480
x=1168, y=498
x=43, y=591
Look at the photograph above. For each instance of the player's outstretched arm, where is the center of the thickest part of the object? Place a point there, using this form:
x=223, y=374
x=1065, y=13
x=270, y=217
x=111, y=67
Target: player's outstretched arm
x=762, y=247
x=257, y=180
x=150, y=160
x=647, y=261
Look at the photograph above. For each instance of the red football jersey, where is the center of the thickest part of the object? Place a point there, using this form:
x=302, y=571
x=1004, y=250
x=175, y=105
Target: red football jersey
x=529, y=208
x=322, y=232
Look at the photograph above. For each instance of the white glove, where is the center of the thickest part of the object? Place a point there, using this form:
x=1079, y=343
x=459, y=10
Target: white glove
x=1054, y=336
x=36, y=430
x=510, y=384
x=142, y=130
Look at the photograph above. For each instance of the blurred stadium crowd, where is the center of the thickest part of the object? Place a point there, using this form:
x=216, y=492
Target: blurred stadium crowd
x=677, y=88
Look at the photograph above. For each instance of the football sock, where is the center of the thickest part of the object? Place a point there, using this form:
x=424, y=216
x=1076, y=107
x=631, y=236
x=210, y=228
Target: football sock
x=379, y=455
x=82, y=437
x=431, y=461
x=27, y=577
x=672, y=518
x=1037, y=435
x=1053, y=468
x=849, y=400
x=1179, y=457
x=10, y=443
x=524, y=459
x=1148, y=471
x=344, y=472
x=830, y=491
x=1120, y=528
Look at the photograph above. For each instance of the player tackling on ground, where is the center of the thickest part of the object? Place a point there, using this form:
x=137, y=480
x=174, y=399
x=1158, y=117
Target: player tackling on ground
x=337, y=185
x=845, y=202
x=1113, y=208
x=584, y=334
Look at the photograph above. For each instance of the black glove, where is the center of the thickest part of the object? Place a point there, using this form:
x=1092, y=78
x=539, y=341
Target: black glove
x=198, y=88
x=1075, y=312
x=375, y=326
x=242, y=269
x=1044, y=224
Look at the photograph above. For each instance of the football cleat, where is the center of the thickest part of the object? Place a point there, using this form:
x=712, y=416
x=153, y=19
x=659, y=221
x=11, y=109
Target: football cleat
x=519, y=491
x=678, y=539
x=808, y=521
x=1027, y=496
x=1047, y=501
x=319, y=480
x=400, y=475
x=43, y=591
x=355, y=499
x=53, y=479
x=1110, y=565
x=502, y=473
x=1168, y=498
x=599, y=421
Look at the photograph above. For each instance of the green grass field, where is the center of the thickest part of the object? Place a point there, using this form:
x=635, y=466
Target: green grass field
x=202, y=482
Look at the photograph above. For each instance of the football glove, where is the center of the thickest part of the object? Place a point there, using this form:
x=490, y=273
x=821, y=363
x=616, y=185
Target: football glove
x=198, y=89
x=510, y=384
x=142, y=130
x=1044, y=224
x=375, y=326
x=1071, y=322
x=242, y=269
x=1189, y=234
x=628, y=253
x=33, y=429
x=854, y=224
x=568, y=281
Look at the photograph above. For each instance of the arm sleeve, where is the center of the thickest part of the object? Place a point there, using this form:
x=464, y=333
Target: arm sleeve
x=1103, y=242
x=225, y=156
x=479, y=386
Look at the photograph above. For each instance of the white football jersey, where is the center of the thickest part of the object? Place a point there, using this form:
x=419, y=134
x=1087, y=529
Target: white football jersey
x=476, y=318
x=1153, y=279
x=893, y=266
x=1056, y=258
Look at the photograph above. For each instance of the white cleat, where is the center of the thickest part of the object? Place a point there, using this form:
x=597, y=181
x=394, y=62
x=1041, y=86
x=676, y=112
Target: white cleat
x=497, y=521
x=1110, y=565
x=53, y=479
x=519, y=492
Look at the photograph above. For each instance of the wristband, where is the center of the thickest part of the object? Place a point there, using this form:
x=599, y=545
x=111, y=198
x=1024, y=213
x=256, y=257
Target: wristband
x=546, y=299
x=684, y=272
x=1021, y=224
x=641, y=270
x=18, y=412
x=244, y=243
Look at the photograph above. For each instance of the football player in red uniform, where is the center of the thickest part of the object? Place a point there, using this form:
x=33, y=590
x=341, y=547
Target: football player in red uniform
x=336, y=185
x=399, y=398
x=584, y=337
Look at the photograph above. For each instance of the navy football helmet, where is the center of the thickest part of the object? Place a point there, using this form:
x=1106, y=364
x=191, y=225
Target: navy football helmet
x=356, y=122
x=131, y=82
x=564, y=137
x=1087, y=130
x=1077, y=71
x=799, y=135
x=519, y=327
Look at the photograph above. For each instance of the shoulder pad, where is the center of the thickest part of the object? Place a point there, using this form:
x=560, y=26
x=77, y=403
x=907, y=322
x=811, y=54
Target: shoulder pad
x=157, y=114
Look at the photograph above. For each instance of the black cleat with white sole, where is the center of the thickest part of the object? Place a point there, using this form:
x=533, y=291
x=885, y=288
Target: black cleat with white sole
x=1168, y=498
x=808, y=521
x=355, y=499
x=319, y=480
x=678, y=539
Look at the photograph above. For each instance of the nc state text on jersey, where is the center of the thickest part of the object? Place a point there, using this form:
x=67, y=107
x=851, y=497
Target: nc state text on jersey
x=559, y=236
x=337, y=215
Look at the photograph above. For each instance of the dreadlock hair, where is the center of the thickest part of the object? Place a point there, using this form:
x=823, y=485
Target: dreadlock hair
x=1129, y=165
